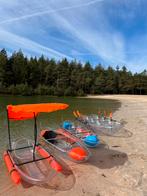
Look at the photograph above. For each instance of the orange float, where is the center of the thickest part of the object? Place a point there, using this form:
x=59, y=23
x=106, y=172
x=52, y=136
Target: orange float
x=11, y=169
x=54, y=164
x=24, y=112
x=77, y=153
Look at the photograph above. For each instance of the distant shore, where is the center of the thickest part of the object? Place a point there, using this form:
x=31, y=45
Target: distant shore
x=120, y=97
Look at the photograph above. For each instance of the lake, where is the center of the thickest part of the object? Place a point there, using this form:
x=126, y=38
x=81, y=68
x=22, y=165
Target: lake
x=25, y=128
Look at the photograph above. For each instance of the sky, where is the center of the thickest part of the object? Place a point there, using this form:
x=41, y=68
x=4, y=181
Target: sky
x=110, y=32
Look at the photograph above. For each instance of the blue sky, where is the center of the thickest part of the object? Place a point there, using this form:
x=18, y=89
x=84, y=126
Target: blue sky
x=111, y=32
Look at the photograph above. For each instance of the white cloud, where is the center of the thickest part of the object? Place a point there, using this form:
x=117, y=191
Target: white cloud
x=102, y=42
x=49, y=11
x=23, y=29
x=77, y=28
x=15, y=42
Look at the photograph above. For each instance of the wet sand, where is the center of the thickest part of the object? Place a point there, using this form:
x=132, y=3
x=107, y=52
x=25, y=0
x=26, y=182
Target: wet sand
x=120, y=170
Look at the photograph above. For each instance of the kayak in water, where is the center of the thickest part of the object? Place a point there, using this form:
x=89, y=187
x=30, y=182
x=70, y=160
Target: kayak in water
x=105, y=126
x=27, y=160
x=65, y=144
x=89, y=138
x=34, y=168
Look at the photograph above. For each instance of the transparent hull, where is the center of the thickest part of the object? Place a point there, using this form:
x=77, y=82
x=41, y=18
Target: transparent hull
x=87, y=136
x=66, y=145
x=105, y=126
x=38, y=172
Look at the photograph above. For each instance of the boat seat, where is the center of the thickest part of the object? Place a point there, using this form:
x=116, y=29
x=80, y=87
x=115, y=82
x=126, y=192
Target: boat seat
x=50, y=136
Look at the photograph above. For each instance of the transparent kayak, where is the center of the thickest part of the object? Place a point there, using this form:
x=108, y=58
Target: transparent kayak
x=87, y=136
x=28, y=165
x=105, y=126
x=65, y=144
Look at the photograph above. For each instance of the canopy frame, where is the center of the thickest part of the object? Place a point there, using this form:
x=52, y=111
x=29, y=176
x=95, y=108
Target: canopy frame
x=9, y=132
x=24, y=147
x=35, y=141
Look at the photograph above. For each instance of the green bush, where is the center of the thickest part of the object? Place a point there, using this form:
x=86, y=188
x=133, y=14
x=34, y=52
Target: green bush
x=20, y=89
x=59, y=92
x=51, y=90
x=42, y=90
x=69, y=92
x=80, y=93
x=25, y=89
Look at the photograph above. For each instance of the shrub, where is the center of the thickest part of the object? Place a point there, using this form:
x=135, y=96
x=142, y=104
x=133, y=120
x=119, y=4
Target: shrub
x=80, y=92
x=42, y=90
x=69, y=92
x=59, y=92
x=20, y=89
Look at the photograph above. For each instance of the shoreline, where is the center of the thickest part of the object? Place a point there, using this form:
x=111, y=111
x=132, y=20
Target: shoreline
x=119, y=97
x=120, y=170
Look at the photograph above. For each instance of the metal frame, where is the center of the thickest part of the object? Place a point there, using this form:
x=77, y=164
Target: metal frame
x=34, y=146
x=9, y=135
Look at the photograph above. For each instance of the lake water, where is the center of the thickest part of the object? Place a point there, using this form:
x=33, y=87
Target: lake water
x=25, y=128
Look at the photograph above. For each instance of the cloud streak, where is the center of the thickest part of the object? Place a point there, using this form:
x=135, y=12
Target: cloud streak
x=48, y=11
x=108, y=32
x=15, y=42
x=99, y=42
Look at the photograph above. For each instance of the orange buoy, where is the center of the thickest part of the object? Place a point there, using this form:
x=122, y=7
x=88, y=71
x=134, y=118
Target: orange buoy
x=77, y=153
x=11, y=169
x=110, y=115
x=53, y=163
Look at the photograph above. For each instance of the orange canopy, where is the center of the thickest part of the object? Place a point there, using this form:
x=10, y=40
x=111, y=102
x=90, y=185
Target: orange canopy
x=27, y=111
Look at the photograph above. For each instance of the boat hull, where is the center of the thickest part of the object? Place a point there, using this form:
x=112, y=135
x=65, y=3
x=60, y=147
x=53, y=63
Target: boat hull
x=65, y=145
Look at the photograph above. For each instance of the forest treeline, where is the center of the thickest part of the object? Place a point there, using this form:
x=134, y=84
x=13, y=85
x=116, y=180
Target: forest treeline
x=41, y=76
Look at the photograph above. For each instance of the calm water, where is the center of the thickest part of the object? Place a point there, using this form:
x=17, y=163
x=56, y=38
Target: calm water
x=25, y=128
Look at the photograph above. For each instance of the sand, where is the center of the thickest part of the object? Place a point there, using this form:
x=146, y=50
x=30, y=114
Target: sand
x=120, y=170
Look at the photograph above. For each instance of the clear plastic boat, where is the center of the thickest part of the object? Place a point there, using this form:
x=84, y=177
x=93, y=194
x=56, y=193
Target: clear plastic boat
x=104, y=126
x=37, y=172
x=87, y=136
x=27, y=160
x=65, y=144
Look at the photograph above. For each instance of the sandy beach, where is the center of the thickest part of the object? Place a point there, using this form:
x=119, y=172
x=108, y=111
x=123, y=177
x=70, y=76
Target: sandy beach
x=120, y=170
